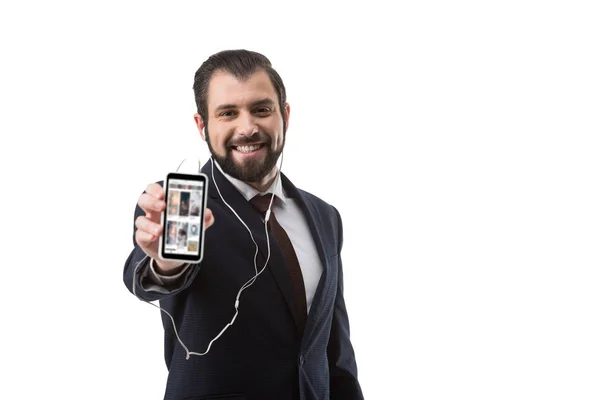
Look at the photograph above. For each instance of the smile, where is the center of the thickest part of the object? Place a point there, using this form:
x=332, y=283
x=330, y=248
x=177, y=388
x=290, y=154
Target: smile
x=248, y=149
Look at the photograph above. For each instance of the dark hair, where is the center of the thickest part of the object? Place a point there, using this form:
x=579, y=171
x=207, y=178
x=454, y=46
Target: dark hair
x=241, y=64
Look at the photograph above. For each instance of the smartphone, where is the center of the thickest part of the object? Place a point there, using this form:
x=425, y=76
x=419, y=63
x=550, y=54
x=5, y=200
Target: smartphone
x=183, y=219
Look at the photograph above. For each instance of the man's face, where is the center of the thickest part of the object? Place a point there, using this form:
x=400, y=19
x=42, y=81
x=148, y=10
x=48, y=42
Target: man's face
x=245, y=130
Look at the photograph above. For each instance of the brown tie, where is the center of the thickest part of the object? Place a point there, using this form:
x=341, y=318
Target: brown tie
x=261, y=204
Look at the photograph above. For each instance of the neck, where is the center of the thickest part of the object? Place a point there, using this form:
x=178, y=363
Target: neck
x=265, y=182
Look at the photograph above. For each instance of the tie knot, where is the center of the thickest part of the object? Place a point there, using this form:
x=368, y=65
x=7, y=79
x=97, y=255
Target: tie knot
x=261, y=202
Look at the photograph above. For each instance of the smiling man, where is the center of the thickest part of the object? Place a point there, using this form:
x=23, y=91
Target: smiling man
x=291, y=338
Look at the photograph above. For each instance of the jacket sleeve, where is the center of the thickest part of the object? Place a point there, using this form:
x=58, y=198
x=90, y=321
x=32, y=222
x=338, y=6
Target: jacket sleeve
x=343, y=373
x=142, y=281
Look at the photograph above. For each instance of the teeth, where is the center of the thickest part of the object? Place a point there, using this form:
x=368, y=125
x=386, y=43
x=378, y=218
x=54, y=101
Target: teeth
x=248, y=149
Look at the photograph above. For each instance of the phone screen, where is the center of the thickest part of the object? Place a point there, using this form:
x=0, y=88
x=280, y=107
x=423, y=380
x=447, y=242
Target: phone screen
x=183, y=219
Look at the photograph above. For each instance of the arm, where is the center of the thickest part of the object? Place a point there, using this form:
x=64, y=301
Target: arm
x=343, y=374
x=150, y=285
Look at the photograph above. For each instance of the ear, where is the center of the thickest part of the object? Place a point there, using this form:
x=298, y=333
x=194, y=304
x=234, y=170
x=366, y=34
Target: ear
x=200, y=125
x=286, y=116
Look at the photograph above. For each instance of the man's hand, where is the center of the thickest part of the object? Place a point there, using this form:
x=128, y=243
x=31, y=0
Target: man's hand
x=149, y=228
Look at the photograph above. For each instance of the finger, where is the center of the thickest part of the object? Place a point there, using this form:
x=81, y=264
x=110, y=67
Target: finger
x=209, y=218
x=156, y=191
x=148, y=226
x=151, y=205
x=144, y=239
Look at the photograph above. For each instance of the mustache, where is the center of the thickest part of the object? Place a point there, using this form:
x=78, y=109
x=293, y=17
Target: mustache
x=243, y=140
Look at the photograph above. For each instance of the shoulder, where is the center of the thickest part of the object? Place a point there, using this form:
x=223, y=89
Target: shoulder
x=321, y=209
x=309, y=198
x=325, y=216
x=312, y=201
x=316, y=201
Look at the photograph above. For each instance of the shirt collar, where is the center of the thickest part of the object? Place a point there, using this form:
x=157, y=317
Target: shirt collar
x=249, y=192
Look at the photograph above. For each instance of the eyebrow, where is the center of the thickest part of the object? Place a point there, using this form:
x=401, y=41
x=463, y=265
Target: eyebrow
x=262, y=102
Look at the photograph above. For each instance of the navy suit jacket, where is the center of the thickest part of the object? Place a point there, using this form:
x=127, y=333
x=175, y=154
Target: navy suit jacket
x=263, y=355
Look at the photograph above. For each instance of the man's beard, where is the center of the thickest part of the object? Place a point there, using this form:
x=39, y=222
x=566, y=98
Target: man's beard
x=251, y=170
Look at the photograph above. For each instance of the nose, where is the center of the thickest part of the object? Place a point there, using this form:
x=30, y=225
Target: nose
x=247, y=125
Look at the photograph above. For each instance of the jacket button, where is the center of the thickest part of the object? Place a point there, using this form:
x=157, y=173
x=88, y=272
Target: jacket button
x=302, y=359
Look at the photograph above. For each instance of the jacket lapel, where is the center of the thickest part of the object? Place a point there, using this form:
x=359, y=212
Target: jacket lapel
x=312, y=216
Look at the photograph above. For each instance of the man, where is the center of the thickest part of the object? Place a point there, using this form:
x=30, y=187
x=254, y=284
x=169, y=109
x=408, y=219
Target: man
x=291, y=338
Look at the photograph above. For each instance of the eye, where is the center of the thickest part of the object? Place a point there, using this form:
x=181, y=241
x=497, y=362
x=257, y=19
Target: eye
x=226, y=114
x=263, y=110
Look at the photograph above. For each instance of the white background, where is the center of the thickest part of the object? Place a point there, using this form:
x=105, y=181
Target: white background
x=459, y=140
